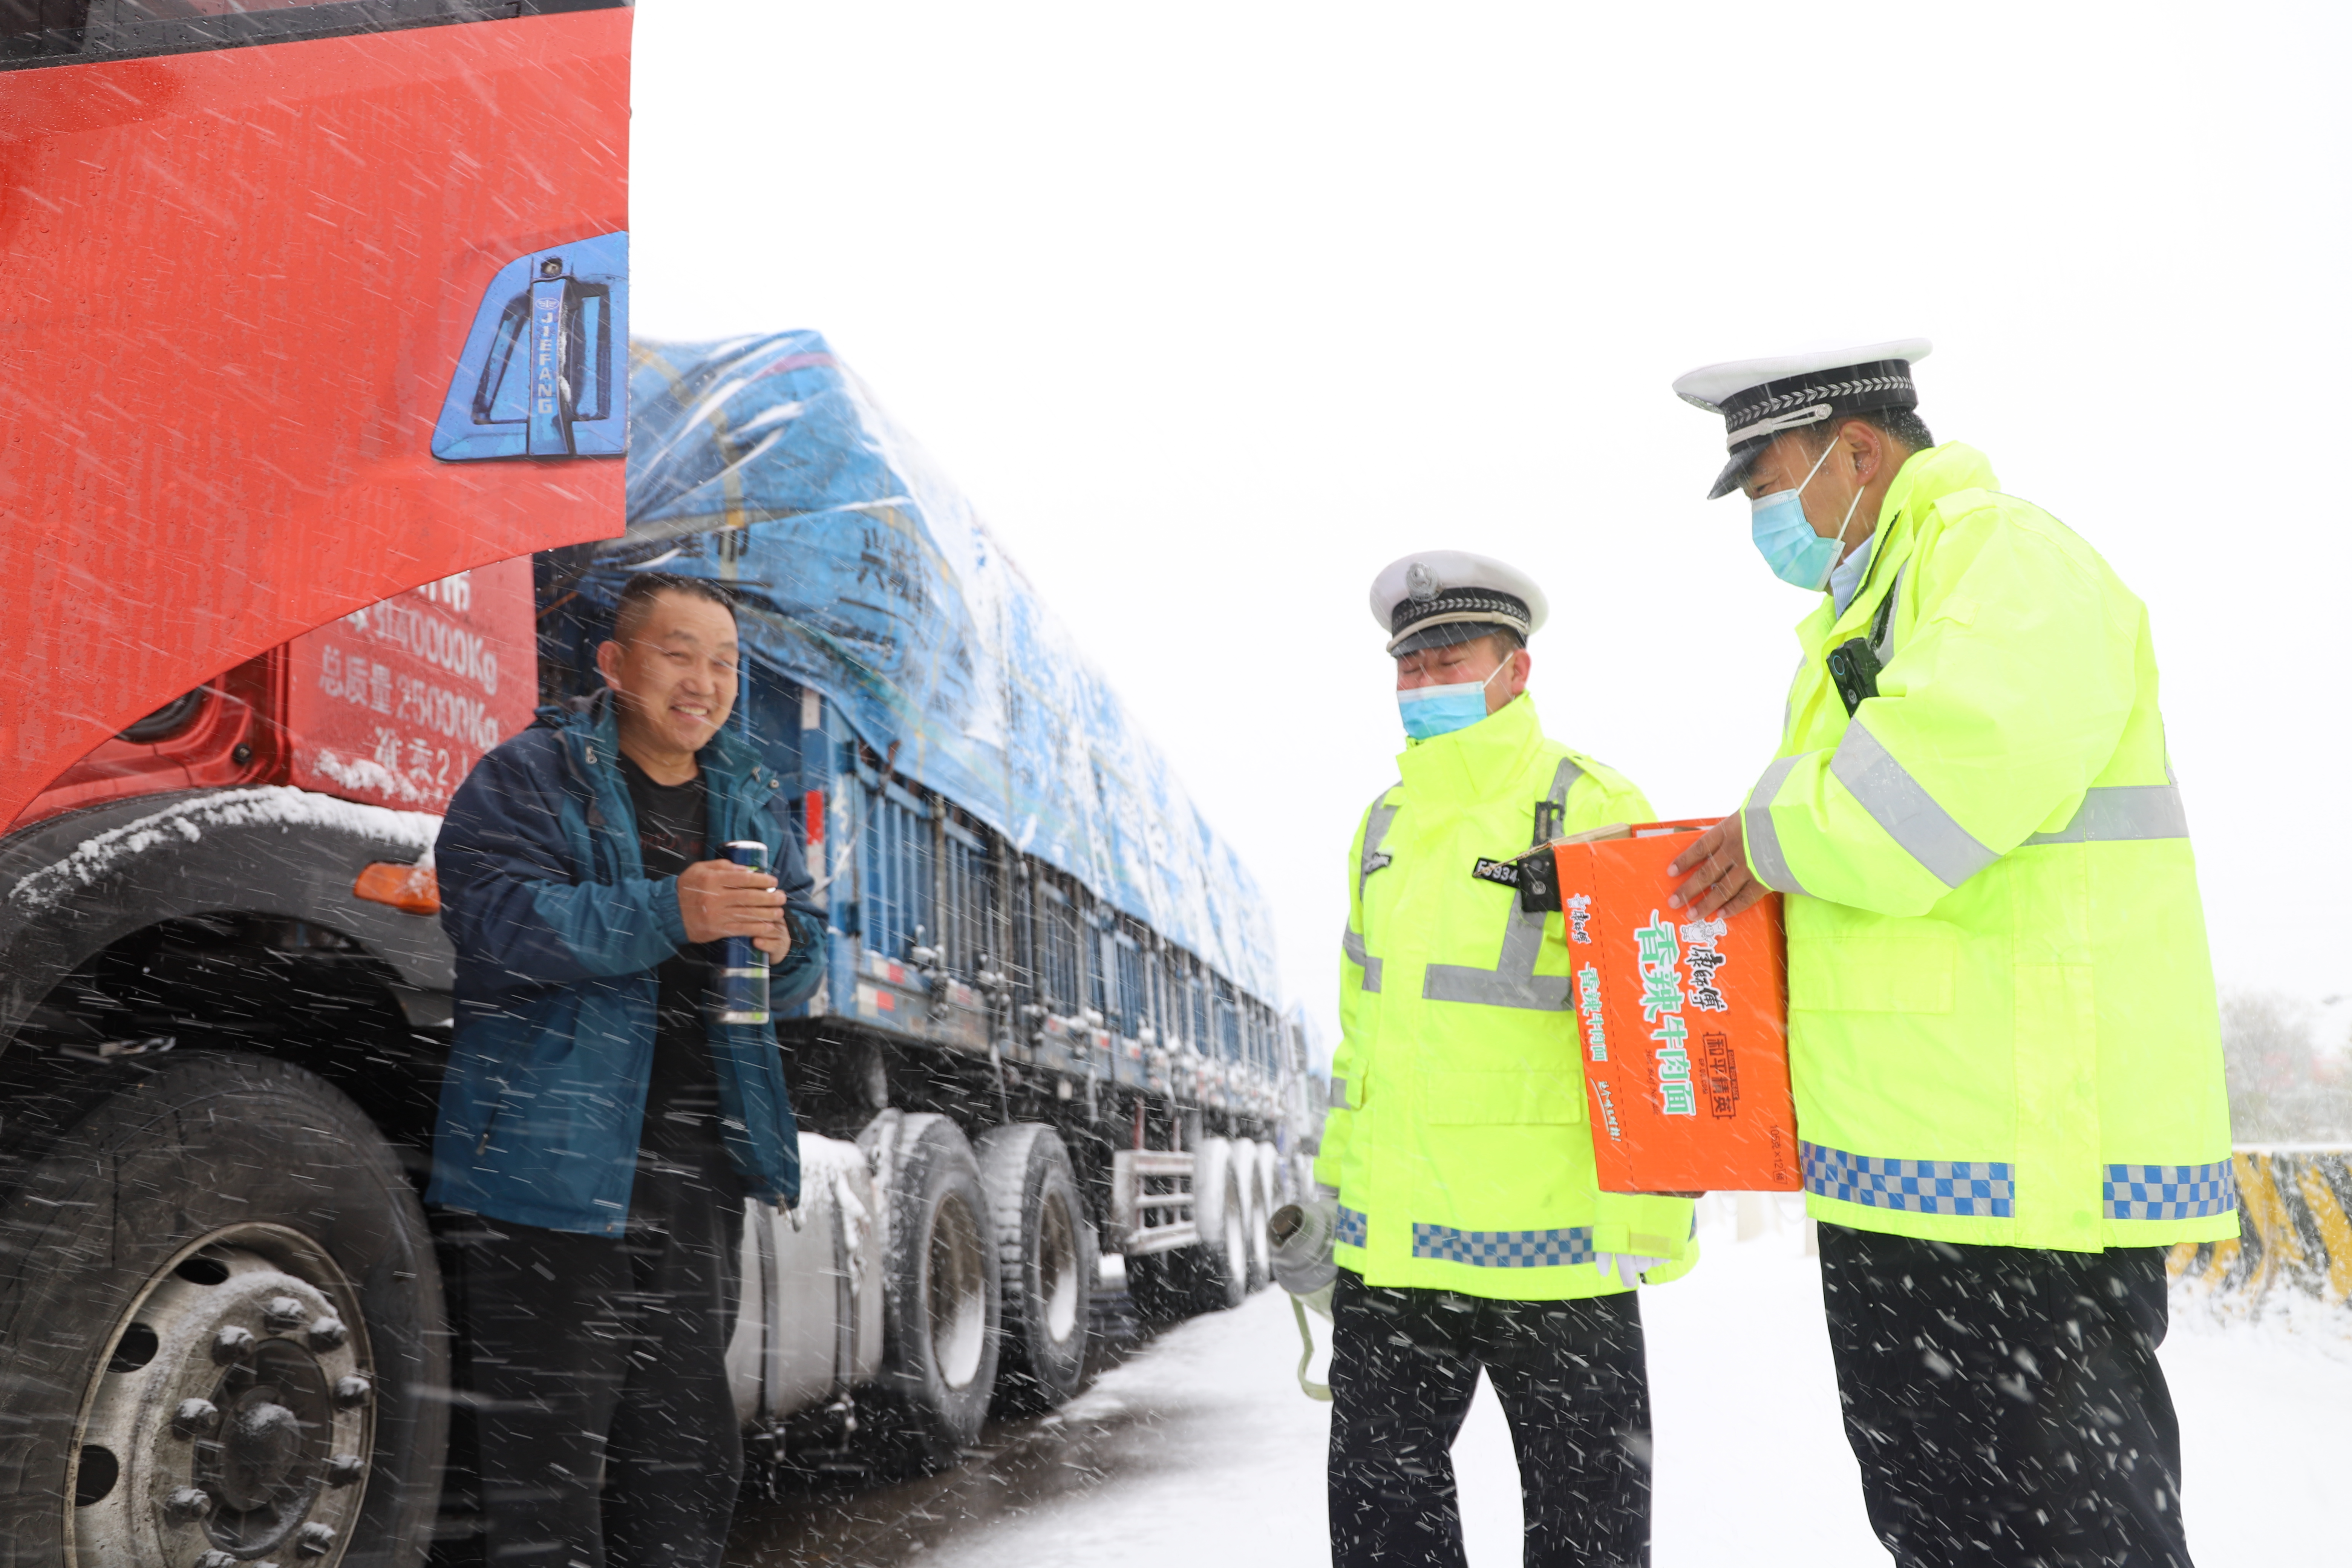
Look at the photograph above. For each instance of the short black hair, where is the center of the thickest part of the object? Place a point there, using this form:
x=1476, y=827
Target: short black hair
x=1903, y=425
x=636, y=601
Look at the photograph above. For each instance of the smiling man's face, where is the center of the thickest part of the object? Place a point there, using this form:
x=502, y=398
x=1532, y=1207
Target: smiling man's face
x=674, y=676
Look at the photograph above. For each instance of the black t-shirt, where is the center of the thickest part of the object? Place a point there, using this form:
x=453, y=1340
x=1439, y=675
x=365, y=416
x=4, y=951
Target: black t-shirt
x=682, y=1100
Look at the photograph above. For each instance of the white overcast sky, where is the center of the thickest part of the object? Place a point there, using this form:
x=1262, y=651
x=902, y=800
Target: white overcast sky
x=1214, y=308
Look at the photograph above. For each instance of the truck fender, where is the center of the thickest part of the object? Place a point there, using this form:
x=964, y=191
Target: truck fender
x=72, y=884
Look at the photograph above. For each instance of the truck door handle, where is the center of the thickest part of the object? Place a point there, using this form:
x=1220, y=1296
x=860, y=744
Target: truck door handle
x=544, y=371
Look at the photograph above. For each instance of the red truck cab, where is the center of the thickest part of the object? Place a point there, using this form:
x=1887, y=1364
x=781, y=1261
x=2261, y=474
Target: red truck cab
x=312, y=330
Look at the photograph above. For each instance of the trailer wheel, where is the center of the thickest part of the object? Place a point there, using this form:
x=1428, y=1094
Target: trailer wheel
x=1045, y=1265
x=1250, y=1166
x=1160, y=1286
x=942, y=1310
x=1220, y=1263
x=221, y=1326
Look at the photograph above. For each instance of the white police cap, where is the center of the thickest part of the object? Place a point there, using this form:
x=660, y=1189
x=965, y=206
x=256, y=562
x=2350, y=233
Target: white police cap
x=1759, y=398
x=1435, y=597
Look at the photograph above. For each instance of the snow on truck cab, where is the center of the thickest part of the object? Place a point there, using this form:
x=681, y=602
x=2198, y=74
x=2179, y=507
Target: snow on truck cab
x=319, y=391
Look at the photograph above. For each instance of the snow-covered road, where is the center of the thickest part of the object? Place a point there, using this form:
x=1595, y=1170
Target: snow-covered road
x=1200, y=1450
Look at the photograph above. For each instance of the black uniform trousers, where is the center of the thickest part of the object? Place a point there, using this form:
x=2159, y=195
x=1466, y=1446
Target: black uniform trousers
x=606, y=1425
x=1572, y=1381
x=2005, y=1403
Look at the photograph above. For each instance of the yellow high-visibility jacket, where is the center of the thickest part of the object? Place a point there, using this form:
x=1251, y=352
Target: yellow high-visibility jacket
x=1456, y=1135
x=2001, y=1017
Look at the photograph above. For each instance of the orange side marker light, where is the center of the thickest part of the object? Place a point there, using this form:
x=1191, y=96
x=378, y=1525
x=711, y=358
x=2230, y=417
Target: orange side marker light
x=410, y=890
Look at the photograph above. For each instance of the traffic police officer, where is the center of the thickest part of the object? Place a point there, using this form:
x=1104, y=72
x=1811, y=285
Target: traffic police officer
x=2001, y=1017
x=1470, y=1230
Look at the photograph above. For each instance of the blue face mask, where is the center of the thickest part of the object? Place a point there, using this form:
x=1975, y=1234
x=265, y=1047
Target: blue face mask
x=1430, y=711
x=1787, y=540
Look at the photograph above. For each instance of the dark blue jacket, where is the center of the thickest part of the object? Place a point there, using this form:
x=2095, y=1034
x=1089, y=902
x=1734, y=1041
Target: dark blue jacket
x=559, y=932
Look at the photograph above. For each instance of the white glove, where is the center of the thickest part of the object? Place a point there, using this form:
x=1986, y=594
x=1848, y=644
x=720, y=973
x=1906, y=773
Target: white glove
x=1303, y=1234
x=1629, y=1265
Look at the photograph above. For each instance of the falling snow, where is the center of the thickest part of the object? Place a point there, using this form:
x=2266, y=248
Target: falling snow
x=1200, y=1448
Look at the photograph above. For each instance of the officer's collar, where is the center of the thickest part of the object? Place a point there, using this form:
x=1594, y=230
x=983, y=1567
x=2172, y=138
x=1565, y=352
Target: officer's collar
x=1474, y=759
x=1925, y=479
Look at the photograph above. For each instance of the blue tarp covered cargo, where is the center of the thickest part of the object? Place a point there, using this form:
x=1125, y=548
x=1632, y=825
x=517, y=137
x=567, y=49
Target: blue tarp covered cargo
x=865, y=575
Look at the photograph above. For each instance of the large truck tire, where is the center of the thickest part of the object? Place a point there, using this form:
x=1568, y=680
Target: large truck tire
x=1160, y=1285
x=222, y=1335
x=1250, y=1166
x=1274, y=1174
x=941, y=1309
x=1219, y=1264
x=1045, y=1265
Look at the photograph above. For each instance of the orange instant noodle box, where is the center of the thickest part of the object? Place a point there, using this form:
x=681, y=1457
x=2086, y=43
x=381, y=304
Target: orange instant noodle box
x=1684, y=1022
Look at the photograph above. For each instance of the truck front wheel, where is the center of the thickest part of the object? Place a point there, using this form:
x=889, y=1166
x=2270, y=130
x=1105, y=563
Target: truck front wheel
x=221, y=1326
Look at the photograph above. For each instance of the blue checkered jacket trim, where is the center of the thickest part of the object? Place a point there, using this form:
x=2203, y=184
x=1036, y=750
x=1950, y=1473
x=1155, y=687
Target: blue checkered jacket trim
x=1504, y=1248
x=2169, y=1192
x=1353, y=1228
x=1982, y=1187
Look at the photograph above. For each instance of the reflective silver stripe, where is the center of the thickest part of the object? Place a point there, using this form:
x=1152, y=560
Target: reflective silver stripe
x=1910, y=815
x=1354, y=945
x=1513, y=981
x=1763, y=838
x=1376, y=833
x=2119, y=812
x=1563, y=779
x=1339, y=1094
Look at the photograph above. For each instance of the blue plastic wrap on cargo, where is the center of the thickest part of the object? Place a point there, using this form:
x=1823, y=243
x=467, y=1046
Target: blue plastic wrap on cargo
x=865, y=575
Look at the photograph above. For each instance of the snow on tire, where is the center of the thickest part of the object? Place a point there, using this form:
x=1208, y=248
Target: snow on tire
x=1250, y=1173
x=1220, y=1263
x=1272, y=1197
x=1044, y=1260
x=942, y=1310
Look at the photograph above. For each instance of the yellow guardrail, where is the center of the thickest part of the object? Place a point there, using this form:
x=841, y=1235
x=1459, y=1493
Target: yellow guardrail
x=2294, y=1231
